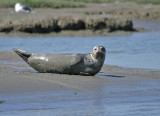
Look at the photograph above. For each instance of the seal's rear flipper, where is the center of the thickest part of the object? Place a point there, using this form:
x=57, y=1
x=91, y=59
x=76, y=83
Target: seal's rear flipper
x=23, y=54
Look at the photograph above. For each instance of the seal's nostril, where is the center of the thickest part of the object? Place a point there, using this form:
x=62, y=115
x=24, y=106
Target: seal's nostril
x=102, y=48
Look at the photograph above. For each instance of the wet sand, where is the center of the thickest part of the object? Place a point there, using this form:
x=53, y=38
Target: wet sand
x=23, y=87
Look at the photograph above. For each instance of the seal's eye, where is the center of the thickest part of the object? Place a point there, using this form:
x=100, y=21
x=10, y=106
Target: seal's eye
x=95, y=49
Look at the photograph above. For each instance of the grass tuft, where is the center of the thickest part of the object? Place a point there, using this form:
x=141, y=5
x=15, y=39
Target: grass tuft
x=64, y=3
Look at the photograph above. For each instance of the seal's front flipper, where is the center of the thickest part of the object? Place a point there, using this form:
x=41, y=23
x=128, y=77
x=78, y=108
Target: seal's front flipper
x=23, y=54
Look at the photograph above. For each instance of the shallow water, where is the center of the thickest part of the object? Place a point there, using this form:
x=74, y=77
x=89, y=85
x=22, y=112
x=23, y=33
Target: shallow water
x=135, y=50
x=128, y=97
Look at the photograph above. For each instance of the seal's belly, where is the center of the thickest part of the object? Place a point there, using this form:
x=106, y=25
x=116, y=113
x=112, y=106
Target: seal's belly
x=57, y=64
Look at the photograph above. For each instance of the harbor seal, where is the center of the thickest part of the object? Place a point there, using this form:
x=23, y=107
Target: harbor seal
x=73, y=64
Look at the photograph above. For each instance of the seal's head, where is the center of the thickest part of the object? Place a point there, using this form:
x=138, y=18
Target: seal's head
x=98, y=53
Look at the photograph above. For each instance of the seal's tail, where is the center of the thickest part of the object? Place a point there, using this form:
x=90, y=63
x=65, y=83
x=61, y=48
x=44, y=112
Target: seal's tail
x=23, y=54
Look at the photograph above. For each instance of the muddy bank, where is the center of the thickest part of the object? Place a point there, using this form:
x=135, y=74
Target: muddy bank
x=30, y=24
x=126, y=9
x=94, y=18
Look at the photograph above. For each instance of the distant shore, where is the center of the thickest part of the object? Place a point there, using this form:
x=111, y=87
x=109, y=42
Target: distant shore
x=94, y=19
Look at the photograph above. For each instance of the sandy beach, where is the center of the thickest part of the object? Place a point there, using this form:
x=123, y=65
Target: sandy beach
x=22, y=86
x=14, y=69
x=16, y=76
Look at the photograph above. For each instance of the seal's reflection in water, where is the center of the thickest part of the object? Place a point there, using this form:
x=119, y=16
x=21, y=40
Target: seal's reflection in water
x=104, y=76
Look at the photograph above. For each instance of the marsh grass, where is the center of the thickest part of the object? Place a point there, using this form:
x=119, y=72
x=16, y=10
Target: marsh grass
x=43, y=3
x=64, y=3
x=138, y=1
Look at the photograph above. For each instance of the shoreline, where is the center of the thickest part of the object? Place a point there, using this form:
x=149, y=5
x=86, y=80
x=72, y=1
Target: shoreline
x=25, y=91
x=73, y=33
x=17, y=76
